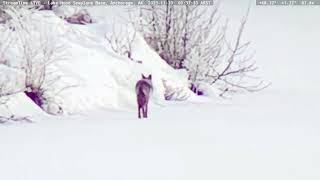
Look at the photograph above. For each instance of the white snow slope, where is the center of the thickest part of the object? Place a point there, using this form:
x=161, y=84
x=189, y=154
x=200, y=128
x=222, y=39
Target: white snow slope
x=273, y=134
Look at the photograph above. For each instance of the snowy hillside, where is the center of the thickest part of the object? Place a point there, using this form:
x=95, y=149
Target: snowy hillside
x=271, y=134
x=98, y=76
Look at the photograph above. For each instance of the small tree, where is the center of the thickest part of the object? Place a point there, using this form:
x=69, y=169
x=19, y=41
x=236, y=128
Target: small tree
x=172, y=30
x=216, y=62
x=121, y=41
x=193, y=38
x=39, y=50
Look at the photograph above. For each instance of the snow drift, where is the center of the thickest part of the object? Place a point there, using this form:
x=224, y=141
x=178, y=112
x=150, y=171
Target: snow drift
x=98, y=76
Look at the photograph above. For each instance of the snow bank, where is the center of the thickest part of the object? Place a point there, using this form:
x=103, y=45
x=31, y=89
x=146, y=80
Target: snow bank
x=20, y=105
x=93, y=75
x=11, y=80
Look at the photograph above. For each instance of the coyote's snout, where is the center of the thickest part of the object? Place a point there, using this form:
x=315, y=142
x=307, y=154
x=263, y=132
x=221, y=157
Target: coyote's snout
x=143, y=90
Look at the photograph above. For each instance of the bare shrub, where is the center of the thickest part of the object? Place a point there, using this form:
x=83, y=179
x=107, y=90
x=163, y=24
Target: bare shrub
x=216, y=61
x=167, y=30
x=193, y=38
x=173, y=92
x=3, y=98
x=121, y=41
x=5, y=41
x=40, y=51
x=5, y=91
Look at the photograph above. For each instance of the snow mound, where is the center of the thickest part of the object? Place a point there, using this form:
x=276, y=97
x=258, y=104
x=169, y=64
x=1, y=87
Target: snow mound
x=93, y=75
x=20, y=105
x=11, y=79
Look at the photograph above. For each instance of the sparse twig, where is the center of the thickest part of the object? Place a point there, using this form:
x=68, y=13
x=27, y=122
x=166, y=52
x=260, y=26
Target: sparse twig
x=190, y=37
x=40, y=51
x=121, y=42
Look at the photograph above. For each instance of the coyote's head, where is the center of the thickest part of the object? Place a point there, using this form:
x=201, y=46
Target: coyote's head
x=147, y=79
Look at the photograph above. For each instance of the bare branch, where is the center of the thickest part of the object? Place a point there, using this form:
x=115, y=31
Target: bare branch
x=121, y=42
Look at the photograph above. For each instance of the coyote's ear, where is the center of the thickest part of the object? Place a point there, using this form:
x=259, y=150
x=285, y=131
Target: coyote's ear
x=150, y=76
x=143, y=77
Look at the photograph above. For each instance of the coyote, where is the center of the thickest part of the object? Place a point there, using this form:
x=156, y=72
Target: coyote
x=143, y=90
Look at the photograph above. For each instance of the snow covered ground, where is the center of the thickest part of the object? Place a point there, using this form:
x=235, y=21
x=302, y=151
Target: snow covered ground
x=263, y=136
x=273, y=134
